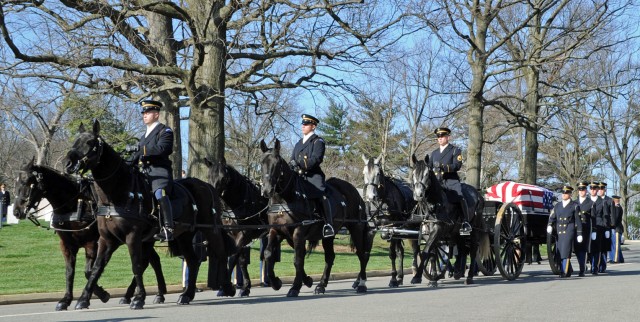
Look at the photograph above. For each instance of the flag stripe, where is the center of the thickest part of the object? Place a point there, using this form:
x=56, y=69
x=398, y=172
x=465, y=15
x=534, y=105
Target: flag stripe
x=525, y=196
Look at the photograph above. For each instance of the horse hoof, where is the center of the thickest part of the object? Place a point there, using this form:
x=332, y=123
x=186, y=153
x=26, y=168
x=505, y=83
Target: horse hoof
x=457, y=276
x=393, y=284
x=319, y=290
x=159, y=299
x=137, y=305
x=276, y=284
x=220, y=293
x=361, y=289
x=183, y=300
x=81, y=305
x=245, y=292
x=416, y=280
x=62, y=306
x=307, y=281
x=468, y=282
x=125, y=300
x=355, y=284
x=432, y=284
x=400, y=281
x=293, y=293
x=229, y=290
x=104, y=297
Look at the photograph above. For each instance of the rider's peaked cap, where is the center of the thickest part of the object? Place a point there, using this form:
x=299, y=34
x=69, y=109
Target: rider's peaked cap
x=309, y=119
x=567, y=189
x=150, y=105
x=442, y=131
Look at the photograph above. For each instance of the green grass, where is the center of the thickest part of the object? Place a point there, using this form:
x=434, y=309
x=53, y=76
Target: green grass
x=31, y=262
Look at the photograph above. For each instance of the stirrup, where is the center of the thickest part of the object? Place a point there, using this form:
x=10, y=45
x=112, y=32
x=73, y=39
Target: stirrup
x=327, y=231
x=465, y=229
x=165, y=234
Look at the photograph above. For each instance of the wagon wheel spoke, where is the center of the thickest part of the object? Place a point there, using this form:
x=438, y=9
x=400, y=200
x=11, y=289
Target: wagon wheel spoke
x=509, y=241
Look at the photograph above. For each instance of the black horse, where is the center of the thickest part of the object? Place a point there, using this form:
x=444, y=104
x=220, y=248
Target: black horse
x=74, y=222
x=292, y=216
x=126, y=216
x=245, y=209
x=390, y=204
x=442, y=222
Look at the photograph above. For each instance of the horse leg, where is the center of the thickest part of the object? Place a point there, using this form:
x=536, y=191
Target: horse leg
x=431, y=241
x=219, y=276
x=90, y=258
x=134, y=245
x=298, y=262
x=417, y=273
x=243, y=263
x=70, y=264
x=154, y=260
x=329, y=258
x=362, y=239
x=473, y=251
x=193, y=266
x=275, y=281
x=393, y=249
x=105, y=251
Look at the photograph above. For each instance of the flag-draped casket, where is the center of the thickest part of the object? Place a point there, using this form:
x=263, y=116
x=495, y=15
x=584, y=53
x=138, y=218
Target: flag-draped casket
x=529, y=198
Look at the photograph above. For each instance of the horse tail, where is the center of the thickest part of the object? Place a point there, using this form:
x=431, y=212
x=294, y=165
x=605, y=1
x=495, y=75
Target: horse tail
x=311, y=245
x=484, y=249
x=174, y=249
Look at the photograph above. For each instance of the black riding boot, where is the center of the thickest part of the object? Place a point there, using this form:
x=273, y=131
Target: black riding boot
x=325, y=207
x=166, y=232
x=465, y=228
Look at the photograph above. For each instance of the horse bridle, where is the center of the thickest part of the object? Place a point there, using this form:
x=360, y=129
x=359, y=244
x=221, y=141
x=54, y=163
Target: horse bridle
x=376, y=186
x=425, y=177
x=277, y=183
x=82, y=162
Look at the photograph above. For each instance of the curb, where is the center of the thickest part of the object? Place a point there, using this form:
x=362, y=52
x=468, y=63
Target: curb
x=119, y=292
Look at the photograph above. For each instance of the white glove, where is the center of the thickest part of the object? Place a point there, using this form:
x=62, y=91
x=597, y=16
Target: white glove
x=579, y=238
x=606, y=234
x=549, y=229
x=593, y=235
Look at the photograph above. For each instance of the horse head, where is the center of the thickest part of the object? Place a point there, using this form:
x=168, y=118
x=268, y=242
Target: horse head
x=274, y=169
x=86, y=150
x=373, y=179
x=29, y=190
x=422, y=178
x=219, y=176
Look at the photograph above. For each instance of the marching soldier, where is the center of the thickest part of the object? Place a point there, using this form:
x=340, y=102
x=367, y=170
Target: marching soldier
x=615, y=256
x=306, y=158
x=446, y=161
x=585, y=204
x=606, y=242
x=565, y=218
x=599, y=225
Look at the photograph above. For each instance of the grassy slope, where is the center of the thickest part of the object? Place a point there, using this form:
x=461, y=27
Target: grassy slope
x=31, y=262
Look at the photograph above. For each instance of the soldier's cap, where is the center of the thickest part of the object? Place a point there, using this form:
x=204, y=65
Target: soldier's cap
x=309, y=119
x=567, y=189
x=582, y=185
x=603, y=184
x=615, y=197
x=442, y=131
x=594, y=185
x=150, y=105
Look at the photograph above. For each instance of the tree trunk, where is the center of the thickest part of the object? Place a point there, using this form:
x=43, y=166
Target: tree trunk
x=476, y=125
x=530, y=169
x=206, y=123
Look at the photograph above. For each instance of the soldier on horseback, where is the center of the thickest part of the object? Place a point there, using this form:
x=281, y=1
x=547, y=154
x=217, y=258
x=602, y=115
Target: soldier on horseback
x=152, y=152
x=446, y=161
x=306, y=158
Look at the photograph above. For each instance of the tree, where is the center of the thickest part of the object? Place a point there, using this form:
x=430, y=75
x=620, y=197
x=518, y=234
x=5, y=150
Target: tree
x=191, y=52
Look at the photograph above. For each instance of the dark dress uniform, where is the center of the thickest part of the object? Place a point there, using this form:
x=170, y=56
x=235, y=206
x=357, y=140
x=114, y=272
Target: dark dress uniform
x=599, y=224
x=306, y=159
x=153, y=155
x=615, y=255
x=446, y=165
x=566, y=221
x=582, y=249
x=5, y=200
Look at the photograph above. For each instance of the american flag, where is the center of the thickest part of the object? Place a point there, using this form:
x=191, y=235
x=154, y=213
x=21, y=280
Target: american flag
x=527, y=197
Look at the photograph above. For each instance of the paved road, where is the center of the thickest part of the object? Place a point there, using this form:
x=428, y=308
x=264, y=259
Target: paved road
x=536, y=295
